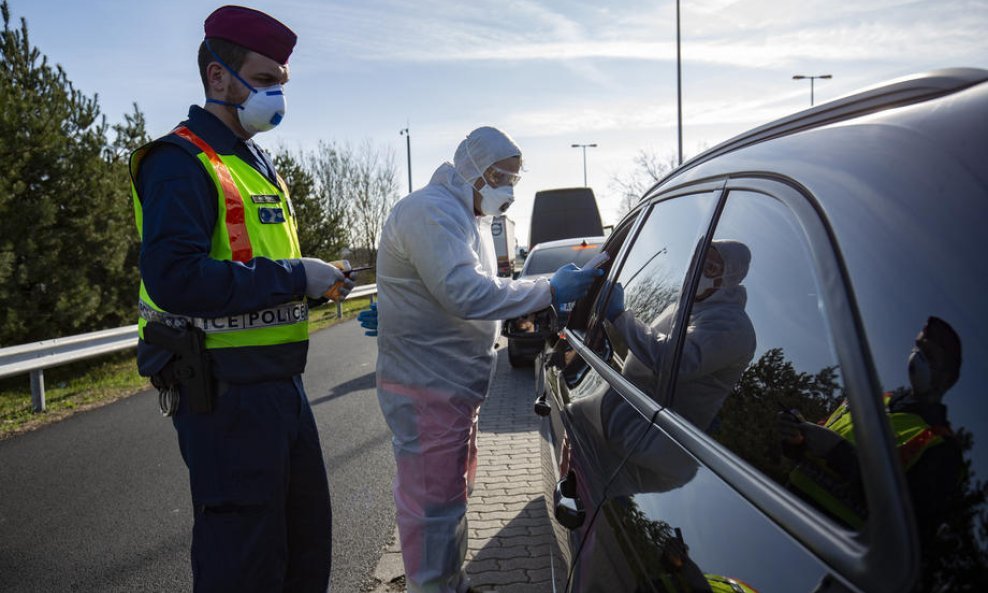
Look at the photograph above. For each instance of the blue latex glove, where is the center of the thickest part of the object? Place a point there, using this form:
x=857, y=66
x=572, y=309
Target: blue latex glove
x=368, y=320
x=615, y=306
x=570, y=283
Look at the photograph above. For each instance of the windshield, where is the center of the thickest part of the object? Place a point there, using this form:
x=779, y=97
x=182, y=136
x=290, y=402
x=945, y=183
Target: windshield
x=546, y=261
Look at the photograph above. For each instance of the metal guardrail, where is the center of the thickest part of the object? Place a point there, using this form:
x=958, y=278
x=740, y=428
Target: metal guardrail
x=34, y=358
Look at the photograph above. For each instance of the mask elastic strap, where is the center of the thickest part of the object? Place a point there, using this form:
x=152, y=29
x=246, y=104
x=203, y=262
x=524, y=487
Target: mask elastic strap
x=231, y=71
x=227, y=103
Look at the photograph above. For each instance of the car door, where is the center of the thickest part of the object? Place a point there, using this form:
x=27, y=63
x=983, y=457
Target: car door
x=708, y=496
x=652, y=252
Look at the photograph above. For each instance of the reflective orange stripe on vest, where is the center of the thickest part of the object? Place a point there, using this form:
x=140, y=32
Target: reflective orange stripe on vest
x=236, y=227
x=910, y=451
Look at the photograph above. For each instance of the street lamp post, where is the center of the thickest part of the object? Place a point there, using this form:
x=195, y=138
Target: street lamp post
x=812, y=79
x=408, y=143
x=679, y=89
x=584, y=147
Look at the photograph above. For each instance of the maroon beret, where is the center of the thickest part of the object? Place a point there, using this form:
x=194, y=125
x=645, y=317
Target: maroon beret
x=253, y=30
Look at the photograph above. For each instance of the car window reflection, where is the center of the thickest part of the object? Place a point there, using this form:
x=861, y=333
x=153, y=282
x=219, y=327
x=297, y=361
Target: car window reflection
x=927, y=262
x=719, y=341
x=651, y=276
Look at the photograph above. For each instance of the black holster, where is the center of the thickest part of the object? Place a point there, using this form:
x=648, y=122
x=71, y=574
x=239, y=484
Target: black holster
x=189, y=368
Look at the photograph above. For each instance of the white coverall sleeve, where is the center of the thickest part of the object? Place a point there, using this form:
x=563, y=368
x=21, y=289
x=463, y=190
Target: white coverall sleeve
x=714, y=345
x=647, y=344
x=710, y=346
x=440, y=248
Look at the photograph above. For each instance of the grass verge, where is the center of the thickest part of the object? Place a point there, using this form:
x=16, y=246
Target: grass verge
x=96, y=382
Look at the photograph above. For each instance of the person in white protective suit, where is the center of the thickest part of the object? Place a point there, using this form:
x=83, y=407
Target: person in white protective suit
x=437, y=320
x=720, y=338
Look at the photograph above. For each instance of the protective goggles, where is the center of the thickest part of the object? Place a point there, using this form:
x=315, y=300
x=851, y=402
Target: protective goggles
x=501, y=178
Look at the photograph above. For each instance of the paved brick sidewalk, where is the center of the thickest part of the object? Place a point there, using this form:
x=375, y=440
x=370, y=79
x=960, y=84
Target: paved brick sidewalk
x=509, y=533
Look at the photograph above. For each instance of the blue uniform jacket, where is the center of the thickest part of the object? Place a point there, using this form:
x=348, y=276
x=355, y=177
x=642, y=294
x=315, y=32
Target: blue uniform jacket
x=179, y=201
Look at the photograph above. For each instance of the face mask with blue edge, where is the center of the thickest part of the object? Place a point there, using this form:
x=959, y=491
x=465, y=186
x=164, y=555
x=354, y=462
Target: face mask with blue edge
x=263, y=109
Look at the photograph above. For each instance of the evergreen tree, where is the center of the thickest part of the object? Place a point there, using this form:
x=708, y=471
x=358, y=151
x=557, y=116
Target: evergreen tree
x=121, y=283
x=65, y=225
x=769, y=385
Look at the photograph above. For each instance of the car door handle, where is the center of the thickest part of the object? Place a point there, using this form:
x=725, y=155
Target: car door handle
x=541, y=406
x=568, y=506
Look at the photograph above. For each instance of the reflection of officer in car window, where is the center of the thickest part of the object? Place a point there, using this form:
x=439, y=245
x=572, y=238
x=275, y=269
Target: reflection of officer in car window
x=720, y=338
x=828, y=475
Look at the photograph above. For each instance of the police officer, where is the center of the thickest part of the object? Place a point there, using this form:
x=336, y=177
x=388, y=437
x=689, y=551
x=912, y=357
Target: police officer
x=828, y=474
x=224, y=282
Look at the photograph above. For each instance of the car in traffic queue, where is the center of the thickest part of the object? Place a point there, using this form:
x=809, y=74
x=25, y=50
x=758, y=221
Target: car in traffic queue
x=524, y=339
x=791, y=276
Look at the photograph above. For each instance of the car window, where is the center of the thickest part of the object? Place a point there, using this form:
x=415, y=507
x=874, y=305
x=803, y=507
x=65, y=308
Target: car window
x=582, y=314
x=650, y=280
x=550, y=259
x=919, y=259
x=758, y=369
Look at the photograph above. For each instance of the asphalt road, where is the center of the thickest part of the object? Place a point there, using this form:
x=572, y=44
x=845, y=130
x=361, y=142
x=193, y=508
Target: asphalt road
x=100, y=501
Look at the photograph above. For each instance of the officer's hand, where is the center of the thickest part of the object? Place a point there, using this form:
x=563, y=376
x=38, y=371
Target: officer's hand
x=787, y=423
x=368, y=320
x=350, y=279
x=319, y=276
x=570, y=283
x=615, y=306
x=795, y=431
x=346, y=287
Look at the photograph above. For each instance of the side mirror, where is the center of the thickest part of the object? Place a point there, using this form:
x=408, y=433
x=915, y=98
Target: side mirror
x=540, y=325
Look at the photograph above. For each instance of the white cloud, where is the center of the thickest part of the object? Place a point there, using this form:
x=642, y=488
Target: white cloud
x=747, y=33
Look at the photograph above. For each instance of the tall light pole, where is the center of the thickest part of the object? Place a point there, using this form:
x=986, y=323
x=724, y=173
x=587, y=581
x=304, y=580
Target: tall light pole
x=679, y=89
x=408, y=143
x=812, y=79
x=584, y=147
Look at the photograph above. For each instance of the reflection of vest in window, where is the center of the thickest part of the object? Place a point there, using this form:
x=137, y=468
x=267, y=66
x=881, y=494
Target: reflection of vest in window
x=831, y=490
x=255, y=218
x=721, y=584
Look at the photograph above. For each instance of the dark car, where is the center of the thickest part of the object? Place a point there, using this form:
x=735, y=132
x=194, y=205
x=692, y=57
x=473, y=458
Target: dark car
x=781, y=385
x=524, y=340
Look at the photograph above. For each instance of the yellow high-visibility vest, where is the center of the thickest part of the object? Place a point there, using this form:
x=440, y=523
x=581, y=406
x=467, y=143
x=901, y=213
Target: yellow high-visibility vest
x=255, y=218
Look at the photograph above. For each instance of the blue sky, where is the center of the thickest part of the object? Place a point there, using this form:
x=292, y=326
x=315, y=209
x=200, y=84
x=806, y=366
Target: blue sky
x=549, y=72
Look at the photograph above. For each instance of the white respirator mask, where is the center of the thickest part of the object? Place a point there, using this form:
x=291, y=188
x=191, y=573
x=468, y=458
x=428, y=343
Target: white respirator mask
x=495, y=200
x=705, y=284
x=263, y=109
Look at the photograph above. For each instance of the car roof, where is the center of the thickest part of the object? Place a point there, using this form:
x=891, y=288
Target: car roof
x=566, y=243
x=901, y=92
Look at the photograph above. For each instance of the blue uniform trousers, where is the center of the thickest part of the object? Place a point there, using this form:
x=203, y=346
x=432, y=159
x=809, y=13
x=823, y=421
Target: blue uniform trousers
x=259, y=491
